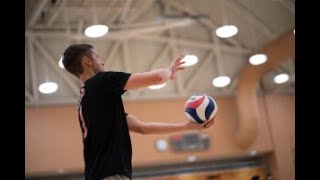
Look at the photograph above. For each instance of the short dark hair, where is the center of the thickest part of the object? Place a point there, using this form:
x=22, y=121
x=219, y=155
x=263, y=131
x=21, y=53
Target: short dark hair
x=256, y=177
x=72, y=57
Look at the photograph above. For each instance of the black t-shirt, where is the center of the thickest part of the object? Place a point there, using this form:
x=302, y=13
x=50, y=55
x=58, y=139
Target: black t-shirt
x=107, y=145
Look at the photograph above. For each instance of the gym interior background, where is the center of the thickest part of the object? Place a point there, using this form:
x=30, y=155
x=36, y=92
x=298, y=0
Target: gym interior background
x=253, y=136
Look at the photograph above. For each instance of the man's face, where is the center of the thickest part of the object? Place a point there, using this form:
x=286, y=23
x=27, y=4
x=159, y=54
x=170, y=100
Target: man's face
x=97, y=64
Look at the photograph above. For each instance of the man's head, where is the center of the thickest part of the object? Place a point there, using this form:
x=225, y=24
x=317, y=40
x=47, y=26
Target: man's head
x=79, y=57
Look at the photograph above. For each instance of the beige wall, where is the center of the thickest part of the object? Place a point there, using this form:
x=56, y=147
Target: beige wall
x=281, y=112
x=53, y=137
x=52, y=140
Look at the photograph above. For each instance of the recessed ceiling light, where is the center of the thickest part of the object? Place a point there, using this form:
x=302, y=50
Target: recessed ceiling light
x=221, y=81
x=96, y=30
x=48, y=87
x=258, y=59
x=159, y=86
x=227, y=31
x=281, y=78
x=60, y=63
x=190, y=60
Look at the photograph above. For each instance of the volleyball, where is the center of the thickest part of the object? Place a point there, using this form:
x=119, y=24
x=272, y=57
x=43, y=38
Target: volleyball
x=200, y=108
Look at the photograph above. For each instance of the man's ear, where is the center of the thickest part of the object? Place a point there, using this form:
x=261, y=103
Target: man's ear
x=86, y=60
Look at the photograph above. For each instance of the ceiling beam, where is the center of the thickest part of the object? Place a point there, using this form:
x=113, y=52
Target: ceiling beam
x=52, y=18
x=36, y=12
x=125, y=53
x=125, y=10
x=173, y=55
x=54, y=11
x=112, y=27
x=126, y=61
x=200, y=66
x=199, y=44
x=145, y=6
x=218, y=53
x=109, y=59
x=206, y=21
x=244, y=12
x=289, y=5
x=112, y=13
x=159, y=57
x=80, y=10
x=156, y=28
x=185, y=42
x=28, y=95
x=32, y=66
x=125, y=34
x=55, y=67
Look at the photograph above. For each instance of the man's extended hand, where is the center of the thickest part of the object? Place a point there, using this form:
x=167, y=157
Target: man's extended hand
x=176, y=65
x=196, y=126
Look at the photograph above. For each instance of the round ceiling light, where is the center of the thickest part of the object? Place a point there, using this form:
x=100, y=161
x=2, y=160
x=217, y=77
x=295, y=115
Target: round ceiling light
x=48, y=87
x=221, y=81
x=190, y=60
x=258, y=59
x=227, y=31
x=281, y=78
x=96, y=31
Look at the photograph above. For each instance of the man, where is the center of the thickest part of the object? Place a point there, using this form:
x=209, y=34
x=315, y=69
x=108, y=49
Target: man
x=104, y=123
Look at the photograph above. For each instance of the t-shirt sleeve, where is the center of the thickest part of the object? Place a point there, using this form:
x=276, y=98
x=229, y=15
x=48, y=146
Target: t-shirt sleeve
x=113, y=81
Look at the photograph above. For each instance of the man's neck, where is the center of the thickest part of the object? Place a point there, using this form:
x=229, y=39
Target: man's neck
x=85, y=76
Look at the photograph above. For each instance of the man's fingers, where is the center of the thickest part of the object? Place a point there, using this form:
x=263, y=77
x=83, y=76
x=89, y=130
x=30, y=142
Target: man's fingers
x=180, y=68
x=180, y=63
x=180, y=57
x=209, y=123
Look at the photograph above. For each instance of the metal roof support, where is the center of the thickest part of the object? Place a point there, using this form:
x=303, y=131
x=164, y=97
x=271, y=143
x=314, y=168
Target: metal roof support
x=55, y=67
x=35, y=15
x=202, y=63
x=237, y=7
x=32, y=67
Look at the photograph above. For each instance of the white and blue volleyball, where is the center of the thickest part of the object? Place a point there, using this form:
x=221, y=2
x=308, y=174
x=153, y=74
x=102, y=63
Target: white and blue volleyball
x=200, y=108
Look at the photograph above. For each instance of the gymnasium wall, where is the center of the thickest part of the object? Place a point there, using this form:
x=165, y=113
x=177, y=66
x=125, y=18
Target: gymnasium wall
x=281, y=117
x=53, y=136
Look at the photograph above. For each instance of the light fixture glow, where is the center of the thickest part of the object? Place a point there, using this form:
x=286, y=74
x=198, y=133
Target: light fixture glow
x=258, y=59
x=191, y=158
x=161, y=145
x=190, y=60
x=61, y=171
x=221, y=81
x=281, y=78
x=159, y=86
x=253, y=152
x=60, y=63
x=227, y=31
x=96, y=30
x=48, y=87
